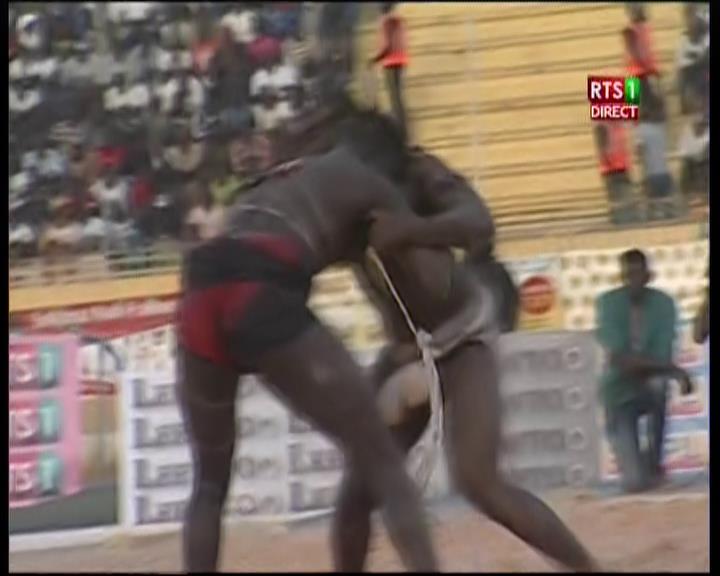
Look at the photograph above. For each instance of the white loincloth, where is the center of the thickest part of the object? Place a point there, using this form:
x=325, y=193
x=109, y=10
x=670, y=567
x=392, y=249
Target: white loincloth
x=419, y=382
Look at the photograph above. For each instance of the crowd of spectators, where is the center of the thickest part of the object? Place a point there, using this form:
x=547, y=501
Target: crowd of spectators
x=664, y=195
x=132, y=122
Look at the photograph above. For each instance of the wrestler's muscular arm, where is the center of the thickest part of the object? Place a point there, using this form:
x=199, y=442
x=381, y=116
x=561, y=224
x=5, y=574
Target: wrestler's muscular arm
x=449, y=213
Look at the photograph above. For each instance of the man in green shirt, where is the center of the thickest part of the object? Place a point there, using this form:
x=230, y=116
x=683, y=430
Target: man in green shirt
x=636, y=328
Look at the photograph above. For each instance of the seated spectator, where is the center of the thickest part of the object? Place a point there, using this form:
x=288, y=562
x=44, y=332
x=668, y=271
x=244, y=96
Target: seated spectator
x=186, y=156
x=179, y=27
x=125, y=97
x=242, y=24
x=51, y=163
x=181, y=95
x=636, y=327
x=264, y=51
x=30, y=33
x=94, y=229
x=80, y=69
x=173, y=60
x=693, y=59
x=22, y=239
x=64, y=233
x=113, y=97
x=120, y=233
x=110, y=190
x=19, y=183
x=81, y=164
x=206, y=219
x=23, y=97
x=694, y=150
x=127, y=12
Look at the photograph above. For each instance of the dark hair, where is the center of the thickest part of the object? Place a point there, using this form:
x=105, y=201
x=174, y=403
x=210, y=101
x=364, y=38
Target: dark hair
x=377, y=141
x=634, y=256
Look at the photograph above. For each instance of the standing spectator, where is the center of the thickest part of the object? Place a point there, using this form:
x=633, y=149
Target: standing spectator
x=110, y=191
x=645, y=53
x=694, y=150
x=651, y=134
x=394, y=59
x=636, y=327
x=614, y=159
x=693, y=59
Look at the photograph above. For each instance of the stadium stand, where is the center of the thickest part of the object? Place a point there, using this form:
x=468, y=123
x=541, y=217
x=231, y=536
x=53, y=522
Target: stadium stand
x=501, y=95
x=499, y=92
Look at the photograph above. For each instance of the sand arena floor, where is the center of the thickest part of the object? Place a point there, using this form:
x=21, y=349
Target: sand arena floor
x=654, y=533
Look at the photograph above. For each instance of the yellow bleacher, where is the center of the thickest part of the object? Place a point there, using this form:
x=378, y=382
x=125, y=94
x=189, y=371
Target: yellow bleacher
x=499, y=91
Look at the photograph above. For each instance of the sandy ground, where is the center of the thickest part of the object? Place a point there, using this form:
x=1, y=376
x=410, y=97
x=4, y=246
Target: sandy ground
x=648, y=534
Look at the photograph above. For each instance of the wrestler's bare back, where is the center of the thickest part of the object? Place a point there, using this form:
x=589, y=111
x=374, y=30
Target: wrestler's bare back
x=327, y=200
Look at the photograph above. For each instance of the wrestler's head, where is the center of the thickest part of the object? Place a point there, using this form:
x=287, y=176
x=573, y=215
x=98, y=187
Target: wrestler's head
x=377, y=141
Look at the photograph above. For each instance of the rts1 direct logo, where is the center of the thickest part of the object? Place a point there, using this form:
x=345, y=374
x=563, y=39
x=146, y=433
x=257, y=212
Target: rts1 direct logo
x=614, y=98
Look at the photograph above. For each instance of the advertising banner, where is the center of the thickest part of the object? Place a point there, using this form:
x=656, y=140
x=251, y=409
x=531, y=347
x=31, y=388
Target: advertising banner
x=113, y=337
x=550, y=438
x=158, y=469
x=539, y=282
x=45, y=449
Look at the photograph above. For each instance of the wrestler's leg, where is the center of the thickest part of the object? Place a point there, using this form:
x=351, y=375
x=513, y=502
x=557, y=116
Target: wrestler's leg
x=206, y=393
x=319, y=378
x=351, y=528
x=473, y=435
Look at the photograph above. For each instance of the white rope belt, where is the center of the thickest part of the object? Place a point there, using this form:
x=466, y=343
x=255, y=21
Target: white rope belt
x=424, y=455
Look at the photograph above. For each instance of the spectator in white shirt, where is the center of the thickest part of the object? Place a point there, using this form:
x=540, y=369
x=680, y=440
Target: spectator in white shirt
x=183, y=94
x=110, y=190
x=30, y=31
x=172, y=60
x=126, y=12
x=22, y=98
x=286, y=82
x=119, y=230
x=206, y=219
x=22, y=240
x=125, y=97
x=186, y=156
x=694, y=150
x=51, y=163
x=94, y=229
x=19, y=183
